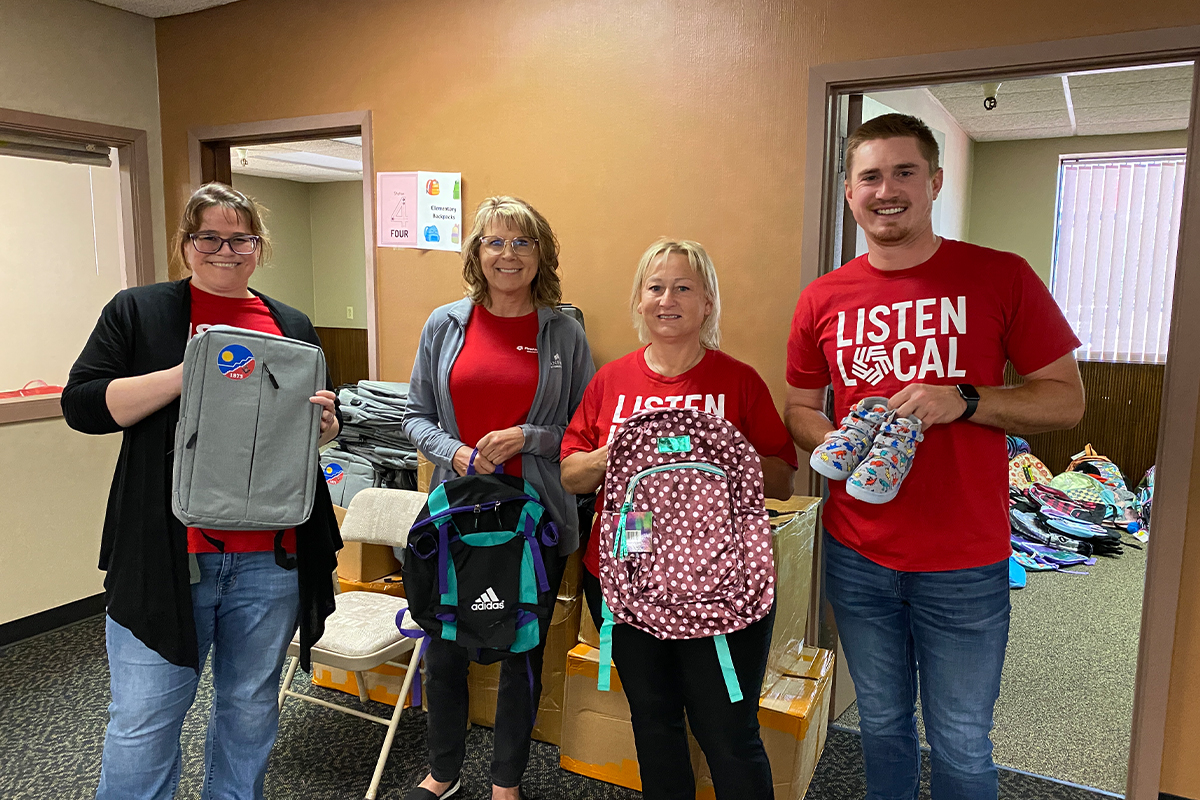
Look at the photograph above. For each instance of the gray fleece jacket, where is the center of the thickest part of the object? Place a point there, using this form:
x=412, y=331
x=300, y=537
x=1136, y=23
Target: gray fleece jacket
x=564, y=370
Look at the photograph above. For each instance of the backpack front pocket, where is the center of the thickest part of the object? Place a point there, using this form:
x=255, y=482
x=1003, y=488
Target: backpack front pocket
x=693, y=555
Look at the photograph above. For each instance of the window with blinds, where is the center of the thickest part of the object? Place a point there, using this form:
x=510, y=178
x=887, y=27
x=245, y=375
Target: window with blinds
x=1115, y=243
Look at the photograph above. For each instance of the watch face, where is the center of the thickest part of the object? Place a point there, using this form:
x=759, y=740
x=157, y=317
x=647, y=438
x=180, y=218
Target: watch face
x=968, y=392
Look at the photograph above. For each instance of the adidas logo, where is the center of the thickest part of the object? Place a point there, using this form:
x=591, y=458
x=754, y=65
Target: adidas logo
x=488, y=601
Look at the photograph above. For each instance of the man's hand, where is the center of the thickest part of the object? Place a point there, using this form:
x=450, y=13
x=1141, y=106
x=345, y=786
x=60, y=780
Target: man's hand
x=933, y=405
x=499, y=446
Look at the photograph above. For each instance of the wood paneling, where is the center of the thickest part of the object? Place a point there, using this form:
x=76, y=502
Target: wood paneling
x=1121, y=421
x=345, y=353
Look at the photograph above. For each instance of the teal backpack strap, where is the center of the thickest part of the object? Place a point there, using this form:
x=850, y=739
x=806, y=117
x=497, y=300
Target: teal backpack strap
x=605, y=673
x=438, y=505
x=727, y=671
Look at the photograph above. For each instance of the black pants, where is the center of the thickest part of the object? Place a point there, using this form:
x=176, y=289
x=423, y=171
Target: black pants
x=517, y=699
x=663, y=679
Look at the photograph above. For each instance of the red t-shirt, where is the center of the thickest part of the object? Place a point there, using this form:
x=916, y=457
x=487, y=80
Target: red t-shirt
x=956, y=318
x=719, y=384
x=495, y=377
x=252, y=314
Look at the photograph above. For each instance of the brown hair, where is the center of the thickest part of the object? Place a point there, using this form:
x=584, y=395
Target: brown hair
x=546, y=289
x=220, y=195
x=891, y=126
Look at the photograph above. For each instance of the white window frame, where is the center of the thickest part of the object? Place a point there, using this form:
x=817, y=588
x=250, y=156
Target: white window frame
x=1096, y=266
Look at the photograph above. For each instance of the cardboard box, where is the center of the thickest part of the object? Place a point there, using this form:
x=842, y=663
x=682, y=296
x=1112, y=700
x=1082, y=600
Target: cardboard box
x=793, y=539
x=597, y=736
x=383, y=682
x=389, y=584
x=484, y=679
x=424, y=472
x=572, y=579
x=362, y=562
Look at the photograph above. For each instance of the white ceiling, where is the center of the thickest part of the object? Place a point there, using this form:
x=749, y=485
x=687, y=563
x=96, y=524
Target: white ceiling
x=316, y=161
x=1103, y=102
x=163, y=8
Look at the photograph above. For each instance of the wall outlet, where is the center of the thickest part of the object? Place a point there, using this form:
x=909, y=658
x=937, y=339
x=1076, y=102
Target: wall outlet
x=349, y=312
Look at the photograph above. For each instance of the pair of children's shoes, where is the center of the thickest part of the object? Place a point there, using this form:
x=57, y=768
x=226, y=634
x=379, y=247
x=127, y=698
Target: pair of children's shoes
x=872, y=451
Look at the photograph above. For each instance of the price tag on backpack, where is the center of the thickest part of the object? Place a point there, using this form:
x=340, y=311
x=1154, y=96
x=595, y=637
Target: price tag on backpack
x=638, y=529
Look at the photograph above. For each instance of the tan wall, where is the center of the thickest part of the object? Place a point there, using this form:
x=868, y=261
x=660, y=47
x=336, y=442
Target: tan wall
x=288, y=276
x=1016, y=187
x=81, y=60
x=620, y=120
x=58, y=481
x=60, y=262
x=338, y=253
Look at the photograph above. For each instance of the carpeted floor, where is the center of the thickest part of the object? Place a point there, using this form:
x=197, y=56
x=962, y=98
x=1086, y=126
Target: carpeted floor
x=1066, y=697
x=54, y=694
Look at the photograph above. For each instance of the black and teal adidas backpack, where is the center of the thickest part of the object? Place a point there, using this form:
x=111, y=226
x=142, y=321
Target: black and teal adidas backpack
x=475, y=570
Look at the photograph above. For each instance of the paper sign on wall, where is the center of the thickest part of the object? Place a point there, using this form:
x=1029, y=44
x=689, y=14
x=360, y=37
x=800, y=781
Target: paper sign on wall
x=419, y=209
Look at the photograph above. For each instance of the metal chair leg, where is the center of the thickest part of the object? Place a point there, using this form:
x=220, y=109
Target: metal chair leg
x=361, y=678
x=413, y=669
x=293, y=662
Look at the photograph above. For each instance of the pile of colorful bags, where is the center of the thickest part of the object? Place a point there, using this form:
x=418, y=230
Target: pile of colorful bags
x=1068, y=519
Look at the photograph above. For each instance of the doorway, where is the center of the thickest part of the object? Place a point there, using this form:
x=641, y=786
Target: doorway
x=311, y=169
x=831, y=90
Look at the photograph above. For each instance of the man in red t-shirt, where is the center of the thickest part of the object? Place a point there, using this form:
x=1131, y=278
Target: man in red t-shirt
x=920, y=583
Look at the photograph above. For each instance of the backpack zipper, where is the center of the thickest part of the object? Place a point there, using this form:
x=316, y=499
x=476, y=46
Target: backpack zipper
x=619, y=547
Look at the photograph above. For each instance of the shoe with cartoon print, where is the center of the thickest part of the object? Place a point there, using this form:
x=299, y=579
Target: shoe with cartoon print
x=837, y=457
x=877, y=479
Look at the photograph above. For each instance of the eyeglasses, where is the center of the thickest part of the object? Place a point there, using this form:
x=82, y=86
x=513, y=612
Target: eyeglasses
x=521, y=245
x=209, y=243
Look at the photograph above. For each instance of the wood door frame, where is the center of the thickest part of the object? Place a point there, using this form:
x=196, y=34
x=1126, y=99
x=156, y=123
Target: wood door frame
x=1181, y=388
x=137, y=221
x=208, y=159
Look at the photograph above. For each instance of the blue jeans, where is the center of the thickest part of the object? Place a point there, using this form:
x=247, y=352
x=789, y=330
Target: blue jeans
x=246, y=610
x=951, y=628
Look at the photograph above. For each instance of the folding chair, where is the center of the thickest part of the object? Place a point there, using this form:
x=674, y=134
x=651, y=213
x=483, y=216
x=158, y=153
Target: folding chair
x=362, y=633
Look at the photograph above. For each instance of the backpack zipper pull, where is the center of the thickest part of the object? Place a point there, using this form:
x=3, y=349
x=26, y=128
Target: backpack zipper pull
x=192, y=440
x=267, y=370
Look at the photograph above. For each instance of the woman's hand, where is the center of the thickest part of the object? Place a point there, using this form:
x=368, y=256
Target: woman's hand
x=462, y=462
x=581, y=473
x=499, y=446
x=329, y=423
x=131, y=400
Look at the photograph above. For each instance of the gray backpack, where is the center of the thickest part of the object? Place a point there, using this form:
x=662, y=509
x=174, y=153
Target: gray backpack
x=346, y=475
x=246, y=443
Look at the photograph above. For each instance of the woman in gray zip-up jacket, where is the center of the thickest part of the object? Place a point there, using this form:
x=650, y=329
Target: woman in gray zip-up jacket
x=496, y=379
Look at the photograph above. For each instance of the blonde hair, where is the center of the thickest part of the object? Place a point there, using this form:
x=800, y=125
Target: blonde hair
x=546, y=289
x=212, y=195
x=702, y=265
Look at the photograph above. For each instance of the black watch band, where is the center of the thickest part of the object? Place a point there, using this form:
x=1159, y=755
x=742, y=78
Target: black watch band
x=969, y=393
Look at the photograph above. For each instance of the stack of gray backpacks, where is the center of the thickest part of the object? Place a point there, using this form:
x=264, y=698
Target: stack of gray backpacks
x=246, y=443
x=347, y=475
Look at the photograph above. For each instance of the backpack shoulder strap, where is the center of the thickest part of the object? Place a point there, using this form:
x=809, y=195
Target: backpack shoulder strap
x=604, y=676
x=727, y=671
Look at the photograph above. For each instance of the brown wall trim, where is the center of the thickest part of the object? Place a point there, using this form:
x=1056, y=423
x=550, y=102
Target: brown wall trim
x=24, y=409
x=1181, y=390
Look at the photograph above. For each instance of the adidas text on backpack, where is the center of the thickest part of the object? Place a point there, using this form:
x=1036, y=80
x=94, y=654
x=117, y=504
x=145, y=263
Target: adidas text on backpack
x=685, y=541
x=475, y=570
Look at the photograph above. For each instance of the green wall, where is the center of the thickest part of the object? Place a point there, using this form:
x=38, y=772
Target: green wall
x=1016, y=183
x=339, y=261
x=319, y=261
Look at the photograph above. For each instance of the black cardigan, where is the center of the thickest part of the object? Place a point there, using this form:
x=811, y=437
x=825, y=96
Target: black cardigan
x=144, y=547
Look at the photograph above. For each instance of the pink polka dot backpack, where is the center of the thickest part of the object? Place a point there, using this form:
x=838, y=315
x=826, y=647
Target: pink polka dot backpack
x=685, y=542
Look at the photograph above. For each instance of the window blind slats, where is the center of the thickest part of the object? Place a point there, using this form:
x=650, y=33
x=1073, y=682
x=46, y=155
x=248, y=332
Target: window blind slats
x=1115, y=249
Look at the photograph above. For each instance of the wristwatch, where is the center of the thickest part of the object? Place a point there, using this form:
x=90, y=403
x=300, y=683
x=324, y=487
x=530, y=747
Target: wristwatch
x=969, y=393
